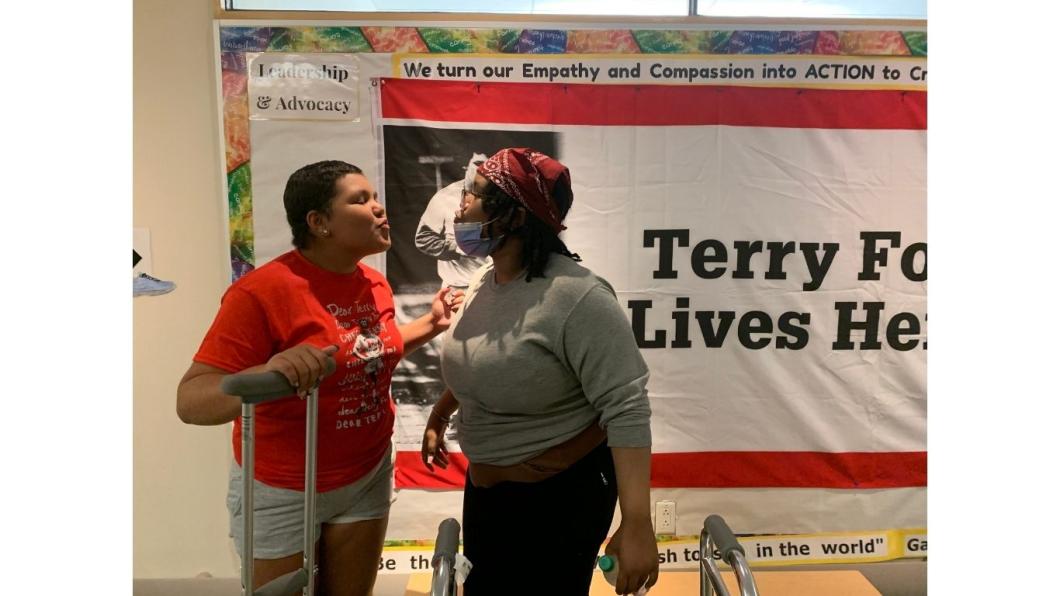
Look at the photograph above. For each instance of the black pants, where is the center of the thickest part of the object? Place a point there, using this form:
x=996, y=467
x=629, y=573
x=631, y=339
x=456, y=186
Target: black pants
x=542, y=537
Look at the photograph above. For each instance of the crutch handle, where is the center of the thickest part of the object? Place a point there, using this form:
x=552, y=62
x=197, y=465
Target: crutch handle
x=724, y=539
x=256, y=388
x=443, y=580
x=448, y=542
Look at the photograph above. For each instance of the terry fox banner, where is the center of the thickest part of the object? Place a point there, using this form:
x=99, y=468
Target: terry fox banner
x=767, y=243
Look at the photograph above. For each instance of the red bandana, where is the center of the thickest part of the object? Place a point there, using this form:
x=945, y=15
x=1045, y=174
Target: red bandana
x=529, y=177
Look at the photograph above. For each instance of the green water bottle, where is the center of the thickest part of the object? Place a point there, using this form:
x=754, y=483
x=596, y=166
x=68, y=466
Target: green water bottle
x=609, y=565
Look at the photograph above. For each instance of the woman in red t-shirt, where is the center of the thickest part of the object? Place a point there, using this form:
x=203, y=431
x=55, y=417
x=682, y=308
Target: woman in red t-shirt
x=289, y=315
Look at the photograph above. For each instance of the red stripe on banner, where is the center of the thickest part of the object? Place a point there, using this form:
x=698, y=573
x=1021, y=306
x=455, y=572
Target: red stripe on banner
x=728, y=469
x=409, y=472
x=652, y=105
x=789, y=469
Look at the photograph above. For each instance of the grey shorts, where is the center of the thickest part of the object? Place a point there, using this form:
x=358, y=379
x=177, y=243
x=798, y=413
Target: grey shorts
x=279, y=512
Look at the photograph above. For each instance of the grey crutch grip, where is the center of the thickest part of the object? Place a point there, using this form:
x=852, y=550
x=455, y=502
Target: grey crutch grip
x=448, y=541
x=724, y=539
x=256, y=388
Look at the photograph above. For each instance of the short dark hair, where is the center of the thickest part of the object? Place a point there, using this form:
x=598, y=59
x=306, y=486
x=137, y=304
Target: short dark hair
x=311, y=188
x=540, y=241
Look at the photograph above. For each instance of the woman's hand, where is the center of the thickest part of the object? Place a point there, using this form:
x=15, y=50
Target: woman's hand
x=433, y=447
x=427, y=326
x=446, y=302
x=638, y=555
x=303, y=365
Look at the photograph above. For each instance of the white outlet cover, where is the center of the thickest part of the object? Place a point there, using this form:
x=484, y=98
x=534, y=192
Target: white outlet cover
x=665, y=517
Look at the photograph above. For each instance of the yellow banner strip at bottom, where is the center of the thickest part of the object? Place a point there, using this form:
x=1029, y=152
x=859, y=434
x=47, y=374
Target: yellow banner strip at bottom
x=806, y=549
x=682, y=552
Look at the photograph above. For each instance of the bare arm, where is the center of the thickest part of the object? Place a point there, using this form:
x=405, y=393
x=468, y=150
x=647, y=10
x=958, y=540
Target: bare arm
x=446, y=404
x=418, y=332
x=634, y=542
x=633, y=469
x=422, y=330
x=433, y=450
x=201, y=401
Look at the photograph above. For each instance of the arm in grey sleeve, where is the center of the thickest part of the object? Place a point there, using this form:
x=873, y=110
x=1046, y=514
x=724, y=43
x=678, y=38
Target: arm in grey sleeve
x=434, y=234
x=436, y=244
x=599, y=347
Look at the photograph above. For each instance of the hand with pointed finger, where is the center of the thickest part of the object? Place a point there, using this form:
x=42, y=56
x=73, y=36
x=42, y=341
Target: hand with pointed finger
x=303, y=365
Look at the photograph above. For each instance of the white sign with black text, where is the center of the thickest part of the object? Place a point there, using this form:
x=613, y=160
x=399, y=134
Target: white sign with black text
x=302, y=86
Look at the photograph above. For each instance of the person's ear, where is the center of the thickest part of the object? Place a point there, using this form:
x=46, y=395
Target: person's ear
x=318, y=224
x=520, y=218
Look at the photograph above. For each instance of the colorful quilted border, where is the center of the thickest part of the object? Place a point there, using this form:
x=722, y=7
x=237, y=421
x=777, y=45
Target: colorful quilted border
x=237, y=40
x=574, y=41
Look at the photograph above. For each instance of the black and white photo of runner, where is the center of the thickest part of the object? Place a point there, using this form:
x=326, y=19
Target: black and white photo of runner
x=425, y=171
x=435, y=236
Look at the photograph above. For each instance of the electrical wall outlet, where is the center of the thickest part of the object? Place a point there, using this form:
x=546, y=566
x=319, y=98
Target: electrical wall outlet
x=665, y=517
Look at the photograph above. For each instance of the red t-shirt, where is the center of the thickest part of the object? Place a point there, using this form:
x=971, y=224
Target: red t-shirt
x=290, y=301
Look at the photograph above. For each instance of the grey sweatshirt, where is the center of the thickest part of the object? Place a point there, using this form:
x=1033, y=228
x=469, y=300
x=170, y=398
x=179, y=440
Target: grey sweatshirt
x=533, y=364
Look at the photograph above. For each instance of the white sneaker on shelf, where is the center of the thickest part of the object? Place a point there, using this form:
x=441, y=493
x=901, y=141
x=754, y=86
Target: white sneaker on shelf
x=145, y=285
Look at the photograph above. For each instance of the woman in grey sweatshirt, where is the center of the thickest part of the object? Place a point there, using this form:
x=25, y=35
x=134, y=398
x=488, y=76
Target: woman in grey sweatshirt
x=553, y=413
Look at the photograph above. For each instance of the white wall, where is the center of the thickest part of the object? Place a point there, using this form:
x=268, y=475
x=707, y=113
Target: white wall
x=180, y=526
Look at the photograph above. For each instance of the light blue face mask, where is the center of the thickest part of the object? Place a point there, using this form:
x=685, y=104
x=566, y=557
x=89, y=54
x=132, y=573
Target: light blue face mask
x=469, y=239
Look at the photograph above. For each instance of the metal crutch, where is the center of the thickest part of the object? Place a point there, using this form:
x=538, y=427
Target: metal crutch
x=253, y=389
x=443, y=581
x=716, y=531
